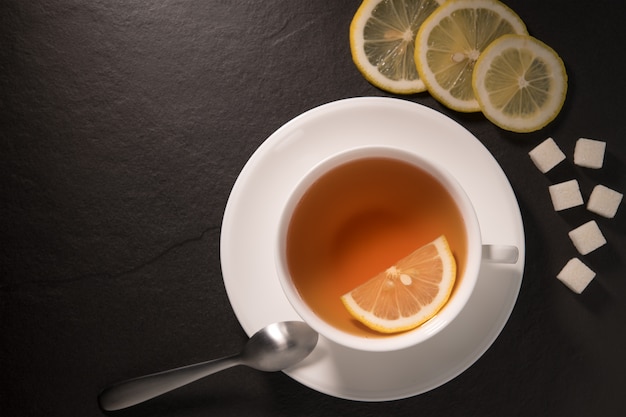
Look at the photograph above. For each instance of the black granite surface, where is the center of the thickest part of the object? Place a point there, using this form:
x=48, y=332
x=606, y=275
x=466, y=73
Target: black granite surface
x=123, y=127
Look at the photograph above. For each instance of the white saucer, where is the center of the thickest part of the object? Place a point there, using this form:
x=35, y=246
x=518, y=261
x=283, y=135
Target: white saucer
x=251, y=220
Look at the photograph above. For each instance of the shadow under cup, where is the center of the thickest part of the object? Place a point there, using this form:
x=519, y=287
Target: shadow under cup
x=356, y=214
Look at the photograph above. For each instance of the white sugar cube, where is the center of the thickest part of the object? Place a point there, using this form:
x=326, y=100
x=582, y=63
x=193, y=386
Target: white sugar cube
x=589, y=153
x=587, y=238
x=576, y=275
x=565, y=195
x=546, y=155
x=604, y=201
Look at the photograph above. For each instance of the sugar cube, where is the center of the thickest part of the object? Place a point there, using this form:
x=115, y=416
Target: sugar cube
x=576, y=275
x=587, y=238
x=604, y=201
x=589, y=153
x=565, y=195
x=546, y=155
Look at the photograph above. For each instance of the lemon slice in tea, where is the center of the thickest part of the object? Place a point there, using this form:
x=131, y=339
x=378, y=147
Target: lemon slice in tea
x=408, y=293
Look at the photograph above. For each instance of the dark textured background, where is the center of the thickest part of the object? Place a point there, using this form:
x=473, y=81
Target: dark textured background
x=123, y=127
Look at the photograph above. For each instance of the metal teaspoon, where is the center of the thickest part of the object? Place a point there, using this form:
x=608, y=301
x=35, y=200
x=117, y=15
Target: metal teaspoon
x=273, y=348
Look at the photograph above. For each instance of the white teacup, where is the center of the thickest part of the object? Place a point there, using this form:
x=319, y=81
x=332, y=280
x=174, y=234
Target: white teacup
x=320, y=313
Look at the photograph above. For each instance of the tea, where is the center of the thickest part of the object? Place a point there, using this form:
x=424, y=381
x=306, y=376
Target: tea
x=357, y=220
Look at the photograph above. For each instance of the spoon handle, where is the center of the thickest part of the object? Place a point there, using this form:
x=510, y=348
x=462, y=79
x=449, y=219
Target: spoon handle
x=138, y=390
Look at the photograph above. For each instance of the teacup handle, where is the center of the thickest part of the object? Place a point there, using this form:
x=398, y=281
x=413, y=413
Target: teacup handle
x=501, y=254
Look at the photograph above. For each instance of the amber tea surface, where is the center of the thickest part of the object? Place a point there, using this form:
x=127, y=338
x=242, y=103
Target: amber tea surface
x=357, y=220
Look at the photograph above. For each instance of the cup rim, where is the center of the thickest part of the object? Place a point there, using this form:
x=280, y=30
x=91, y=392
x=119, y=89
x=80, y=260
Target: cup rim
x=432, y=326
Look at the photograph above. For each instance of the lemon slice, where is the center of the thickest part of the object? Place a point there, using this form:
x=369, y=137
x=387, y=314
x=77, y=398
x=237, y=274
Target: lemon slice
x=450, y=41
x=408, y=293
x=382, y=40
x=520, y=83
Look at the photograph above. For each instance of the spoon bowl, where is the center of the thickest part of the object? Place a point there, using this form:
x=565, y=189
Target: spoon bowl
x=279, y=346
x=273, y=348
